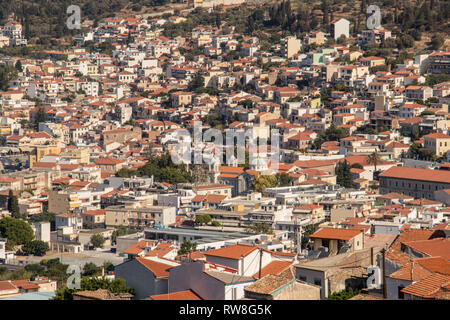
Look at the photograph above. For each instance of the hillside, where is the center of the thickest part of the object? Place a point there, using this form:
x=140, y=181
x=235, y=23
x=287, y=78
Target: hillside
x=45, y=20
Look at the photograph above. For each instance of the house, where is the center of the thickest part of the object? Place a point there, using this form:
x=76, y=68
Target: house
x=93, y=218
x=73, y=220
x=335, y=239
x=283, y=286
x=147, y=275
x=418, y=92
x=438, y=143
x=339, y=27
x=210, y=281
x=415, y=182
x=411, y=274
x=336, y=273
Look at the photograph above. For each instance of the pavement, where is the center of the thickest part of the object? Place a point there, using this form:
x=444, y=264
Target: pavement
x=98, y=257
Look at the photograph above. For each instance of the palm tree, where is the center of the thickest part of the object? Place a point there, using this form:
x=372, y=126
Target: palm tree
x=374, y=158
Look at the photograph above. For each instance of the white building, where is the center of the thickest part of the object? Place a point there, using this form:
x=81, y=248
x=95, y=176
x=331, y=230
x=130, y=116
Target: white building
x=339, y=27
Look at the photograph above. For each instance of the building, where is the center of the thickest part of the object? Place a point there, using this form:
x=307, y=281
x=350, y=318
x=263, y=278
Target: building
x=290, y=46
x=438, y=143
x=336, y=273
x=334, y=239
x=146, y=275
x=139, y=216
x=415, y=182
x=339, y=27
x=439, y=62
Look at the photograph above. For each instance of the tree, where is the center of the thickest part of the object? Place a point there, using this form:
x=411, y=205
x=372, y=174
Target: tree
x=16, y=231
x=203, y=219
x=283, y=179
x=197, y=81
x=91, y=269
x=262, y=182
x=13, y=205
x=35, y=269
x=6, y=74
x=357, y=166
x=215, y=223
x=187, y=247
x=437, y=41
x=93, y=284
x=261, y=228
x=344, y=177
x=374, y=159
x=18, y=66
x=120, y=231
x=41, y=116
x=36, y=247
x=97, y=240
x=344, y=294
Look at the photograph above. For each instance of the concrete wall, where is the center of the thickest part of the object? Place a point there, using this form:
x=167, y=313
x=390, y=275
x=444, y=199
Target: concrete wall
x=315, y=277
x=205, y=286
x=339, y=214
x=392, y=287
x=298, y=291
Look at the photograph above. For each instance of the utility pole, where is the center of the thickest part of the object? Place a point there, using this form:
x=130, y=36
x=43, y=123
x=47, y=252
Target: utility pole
x=384, y=273
x=260, y=262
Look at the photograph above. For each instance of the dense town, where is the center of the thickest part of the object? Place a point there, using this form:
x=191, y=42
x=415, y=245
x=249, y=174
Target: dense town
x=350, y=199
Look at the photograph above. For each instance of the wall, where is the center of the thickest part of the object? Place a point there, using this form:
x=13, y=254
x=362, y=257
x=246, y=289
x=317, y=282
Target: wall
x=202, y=284
x=141, y=279
x=313, y=277
x=392, y=287
x=298, y=291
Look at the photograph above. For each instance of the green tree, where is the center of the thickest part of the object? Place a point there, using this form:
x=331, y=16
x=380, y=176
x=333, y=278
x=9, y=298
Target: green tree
x=93, y=284
x=7, y=73
x=344, y=177
x=91, y=269
x=264, y=181
x=261, y=228
x=16, y=231
x=437, y=41
x=344, y=294
x=13, y=205
x=374, y=158
x=203, y=219
x=35, y=269
x=187, y=247
x=283, y=179
x=18, y=66
x=36, y=247
x=97, y=240
x=215, y=223
x=197, y=82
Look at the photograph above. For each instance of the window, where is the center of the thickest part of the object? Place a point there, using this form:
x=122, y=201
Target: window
x=302, y=278
x=401, y=295
x=317, y=282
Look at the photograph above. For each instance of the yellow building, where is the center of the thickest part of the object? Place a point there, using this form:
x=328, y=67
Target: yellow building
x=438, y=143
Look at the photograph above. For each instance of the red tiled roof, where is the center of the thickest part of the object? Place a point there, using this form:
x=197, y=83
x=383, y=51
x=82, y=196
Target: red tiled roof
x=275, y=267
x=235, y=252
x=417, y=174
x=429, y=286
x=157, y=268
x=335, y=234
x=180, y=295
x=438, y=247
